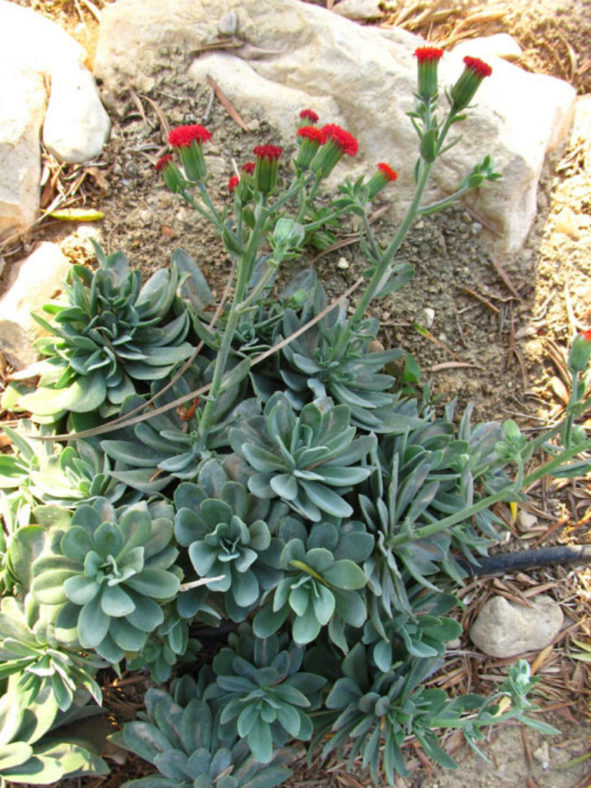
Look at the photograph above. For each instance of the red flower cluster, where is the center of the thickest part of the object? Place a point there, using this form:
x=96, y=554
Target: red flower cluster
x=310, y=115
x=586, y=335
x=233, y=182
x=346, y=142
x=479, y=67
x=271, y=152
x=163, y=161
x=248, y=168
x=428, y=54
x=312, y=133
x=183, y=136
x=387, y=171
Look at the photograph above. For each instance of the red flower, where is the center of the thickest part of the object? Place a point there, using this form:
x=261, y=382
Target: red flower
x=345, y=141
x=163, y=161
x=312, y=133
x=248, y=168
x=183, y=136
x=387, y=171
x=309, y=115
x=586, y=335
x=271, y=152
x=428, y=54
x=479, y=67
x=233, y=182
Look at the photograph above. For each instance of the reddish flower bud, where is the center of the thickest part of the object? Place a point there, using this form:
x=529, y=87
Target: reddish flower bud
x=308, y=116
x=173, y=177
x=189, y=142
x=265, y=171
x=463, y=91
x=163, y=161
x=338, y=143
x=233, y=183
x=580, y=352
x=427, y=62
x=311, y=138
x=384, y=175
x=183, y=136
x=248, y=168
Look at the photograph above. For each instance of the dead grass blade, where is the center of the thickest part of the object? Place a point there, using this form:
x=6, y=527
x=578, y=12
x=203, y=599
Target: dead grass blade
x=227, y=104
x=161, y=117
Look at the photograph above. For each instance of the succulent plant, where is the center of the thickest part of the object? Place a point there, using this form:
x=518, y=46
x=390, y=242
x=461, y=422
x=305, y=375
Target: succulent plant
x=29, y=648
x=423, y=634
x=44, y=471
x=322, y=582
x=151, y=454
x=33, y=751
x=112, y=333
x=110, y=574
x=309, y=461
x=180, y=736
x=227, y=535
x=264, y=696
x=171, y=642
x=423, y=476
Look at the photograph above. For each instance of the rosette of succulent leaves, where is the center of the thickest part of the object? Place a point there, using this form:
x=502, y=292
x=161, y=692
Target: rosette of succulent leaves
x=180, y=734
x=109, y=336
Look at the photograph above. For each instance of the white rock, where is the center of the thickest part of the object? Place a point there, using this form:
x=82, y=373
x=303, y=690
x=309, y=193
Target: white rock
x=34, y=54
x=76, y=124
x=365, y=75
x=359, y=10
x=428, y=317
x=342, y=263
x=504, y=628
x=526, y=520
x=34, y=281
x=497, y=45
x=22, y=104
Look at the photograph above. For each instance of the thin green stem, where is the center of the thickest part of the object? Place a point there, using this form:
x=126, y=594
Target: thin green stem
x=244, y=272
x=491, y=500
x=574, y=398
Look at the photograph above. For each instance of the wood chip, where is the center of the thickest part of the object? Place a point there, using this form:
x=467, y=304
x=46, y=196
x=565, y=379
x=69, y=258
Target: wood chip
x=227, y=104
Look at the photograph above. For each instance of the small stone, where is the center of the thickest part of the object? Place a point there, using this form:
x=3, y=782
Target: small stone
x=343, y=263
x=526, y=521
x=428, y=317
x=542, y=755
x=228, y=24
x=359, y=10
x=475, y=228
x=505, y=629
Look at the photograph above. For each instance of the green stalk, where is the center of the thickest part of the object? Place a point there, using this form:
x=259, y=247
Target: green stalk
x=490, y=500
x=244, y=272
x=574, y=398
x=382, y=271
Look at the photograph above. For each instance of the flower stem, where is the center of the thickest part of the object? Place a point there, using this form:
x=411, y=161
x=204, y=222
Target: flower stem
x=490, y=500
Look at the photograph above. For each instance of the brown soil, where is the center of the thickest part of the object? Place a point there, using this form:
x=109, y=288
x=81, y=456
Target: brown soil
x=498, y=339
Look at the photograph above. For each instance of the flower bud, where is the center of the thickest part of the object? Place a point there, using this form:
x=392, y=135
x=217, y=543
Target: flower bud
x=265, y=171
x=580, y=352
x=308, y=117
x=338, y=143
x=463, y=91
x=384, y=175
x=170, y=172
x=310, y=139
x=427, y=62
x=189, y=142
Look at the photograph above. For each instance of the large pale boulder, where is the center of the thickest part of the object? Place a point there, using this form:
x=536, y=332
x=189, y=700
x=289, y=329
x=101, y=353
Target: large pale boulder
x=365, y=75
x=32, y=282
x=22, y=103
x=40, y=63
x=76, y=124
